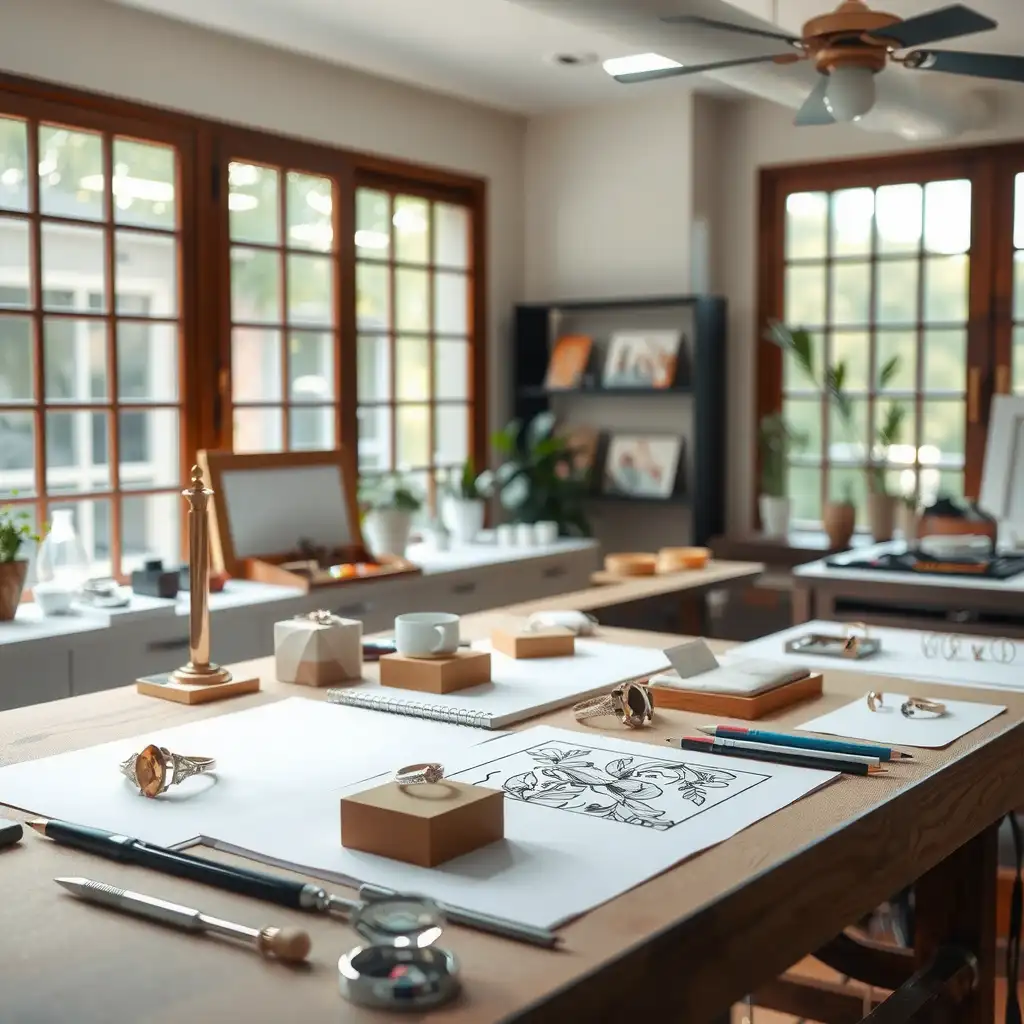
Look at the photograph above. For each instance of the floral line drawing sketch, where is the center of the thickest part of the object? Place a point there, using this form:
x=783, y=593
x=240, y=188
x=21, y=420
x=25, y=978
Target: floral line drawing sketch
x=650, y=792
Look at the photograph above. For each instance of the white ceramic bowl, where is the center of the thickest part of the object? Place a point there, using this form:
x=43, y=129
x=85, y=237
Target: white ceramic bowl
x=53, y=598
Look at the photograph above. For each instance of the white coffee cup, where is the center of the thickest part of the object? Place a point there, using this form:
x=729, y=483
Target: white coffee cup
x=506, y=535
x=427, y=634
x=545, y=532
x=524, y=535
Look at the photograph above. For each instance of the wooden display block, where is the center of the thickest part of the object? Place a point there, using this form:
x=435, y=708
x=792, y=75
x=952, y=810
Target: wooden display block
x=458, y=671
x=728, y=705
x=424, y=825
x=631, y=564
x=165, y=687
x=554, y=642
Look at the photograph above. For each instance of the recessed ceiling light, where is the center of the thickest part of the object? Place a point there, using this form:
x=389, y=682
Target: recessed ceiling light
x=572, y=60
x=639, y=62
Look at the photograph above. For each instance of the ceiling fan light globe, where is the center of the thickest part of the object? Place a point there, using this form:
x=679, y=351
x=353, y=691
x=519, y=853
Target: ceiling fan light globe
x=850, y=93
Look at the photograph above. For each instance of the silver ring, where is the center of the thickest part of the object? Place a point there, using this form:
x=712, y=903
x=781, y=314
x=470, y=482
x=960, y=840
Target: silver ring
x=912, y=707
x=320, y=617
x=156, y=769
x=428, y=773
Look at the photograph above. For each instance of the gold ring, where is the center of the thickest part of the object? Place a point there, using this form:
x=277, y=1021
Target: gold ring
x=853, y=640
x=156, y=769
x=632, y=703
x=914, y=705
x=876, y=700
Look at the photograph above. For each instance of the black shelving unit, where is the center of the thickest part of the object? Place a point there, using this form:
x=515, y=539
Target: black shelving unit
x=537, y=328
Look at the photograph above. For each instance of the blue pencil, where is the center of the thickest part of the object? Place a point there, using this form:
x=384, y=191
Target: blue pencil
x=782, y=739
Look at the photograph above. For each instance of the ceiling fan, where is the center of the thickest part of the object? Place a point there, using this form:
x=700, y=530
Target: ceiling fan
x=850, y=46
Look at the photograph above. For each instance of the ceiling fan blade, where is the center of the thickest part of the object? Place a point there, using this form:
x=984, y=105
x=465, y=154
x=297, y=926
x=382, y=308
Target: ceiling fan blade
x=696, y=19
x=689, y=69
x=814, y=112
x=945, y=23
x=976, y=65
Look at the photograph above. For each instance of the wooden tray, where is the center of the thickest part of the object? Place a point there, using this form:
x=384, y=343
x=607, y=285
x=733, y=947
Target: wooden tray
x=727, y=705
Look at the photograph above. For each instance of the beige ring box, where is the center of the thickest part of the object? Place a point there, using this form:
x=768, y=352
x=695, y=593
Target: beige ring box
x=313, y=653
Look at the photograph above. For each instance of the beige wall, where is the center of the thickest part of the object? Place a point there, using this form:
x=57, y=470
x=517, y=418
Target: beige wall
x=101, y=46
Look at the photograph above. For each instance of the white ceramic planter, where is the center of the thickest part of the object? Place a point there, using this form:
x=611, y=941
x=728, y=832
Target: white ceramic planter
x=775, y=514
x=387, y=531
x=464, y=518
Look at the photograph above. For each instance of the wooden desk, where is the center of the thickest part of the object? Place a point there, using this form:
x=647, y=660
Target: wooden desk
x=681, y=947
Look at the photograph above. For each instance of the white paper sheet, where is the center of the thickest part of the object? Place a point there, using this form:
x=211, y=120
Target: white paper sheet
x=901, y=655
x=267, y=758
x=587, y=817
x=856, y=721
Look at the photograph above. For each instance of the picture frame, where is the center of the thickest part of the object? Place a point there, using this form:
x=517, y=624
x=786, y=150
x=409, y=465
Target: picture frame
x=642, y=359
x=569, y=361
x=644, y=467
x=585, y=443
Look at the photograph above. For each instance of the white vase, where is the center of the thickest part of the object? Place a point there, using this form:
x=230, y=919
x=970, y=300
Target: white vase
x=774, y=515
x=387, y=531
x=464, y=518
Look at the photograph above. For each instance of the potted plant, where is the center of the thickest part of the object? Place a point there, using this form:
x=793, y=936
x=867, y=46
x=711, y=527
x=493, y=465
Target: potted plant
x=882, y=504
x=776, y=440
x=388, y=505
x=465, y=502
x=907, y=516
x=539, y=480
x=15, y=529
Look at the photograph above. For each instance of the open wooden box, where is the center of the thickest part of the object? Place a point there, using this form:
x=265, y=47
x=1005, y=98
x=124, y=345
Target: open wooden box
x=290, y=518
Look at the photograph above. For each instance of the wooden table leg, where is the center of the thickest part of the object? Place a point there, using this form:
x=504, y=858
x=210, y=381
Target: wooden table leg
x=956, y=905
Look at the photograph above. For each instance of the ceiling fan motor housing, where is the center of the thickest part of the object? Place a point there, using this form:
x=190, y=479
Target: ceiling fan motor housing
x=843, y=38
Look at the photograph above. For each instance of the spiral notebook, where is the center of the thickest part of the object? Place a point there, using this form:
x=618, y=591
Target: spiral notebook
x=519, y=688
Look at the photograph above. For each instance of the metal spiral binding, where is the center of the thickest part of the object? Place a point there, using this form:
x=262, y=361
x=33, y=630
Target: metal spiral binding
x=396, y=706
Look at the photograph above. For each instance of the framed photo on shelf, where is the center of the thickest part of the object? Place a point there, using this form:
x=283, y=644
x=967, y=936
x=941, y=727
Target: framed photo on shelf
x=568, y=363
x=645, y=466
x=584, y=442
x=642, y=359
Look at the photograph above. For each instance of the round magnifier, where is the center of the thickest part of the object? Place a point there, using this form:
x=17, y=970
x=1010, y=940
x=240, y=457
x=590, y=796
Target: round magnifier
x=401, y=921
x=398, y=978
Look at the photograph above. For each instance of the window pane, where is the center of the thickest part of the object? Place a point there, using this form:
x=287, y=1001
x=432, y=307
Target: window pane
x=92, y=524
x=852, y=220
x=451, y=235
x=804, y=417
x=945, y=289
x=14, y=264
x=804, y=489
x=150, y=528
x=1018, y=286
x=411, y=301
x=849, y=443
x=374, y=369
x=311, y=367
x=310, y=212
x=896, y=292
x=947, y=216
x=413, y=426
x=311, y=429
x=903, y=450
x=374, y=437
x=147, y=362
x=806, y=225
x=255, y=286
x=373, y=230
x=75, y=360
x=17, y=453
x=451, y=369
x=310, y=290
x=851, y=293
x=852, y=348
x=411, y=221
x=150, y=452
x=144, y=192
x=77, y=452
x=805, y=296
x=942, y=429
x=373, y=301
x=898, y=218
x=253, y=204
x=16, y=360
x=793, y=376
x=451, y=434
x=451, y=303
x=71, y=181
x=146, y=270
x=255, y=365
x=13, y=164
x=258, y=430
x=903, y=346
x=936, y=483
x=945, y=361
x=74, y=268
x=412, y=365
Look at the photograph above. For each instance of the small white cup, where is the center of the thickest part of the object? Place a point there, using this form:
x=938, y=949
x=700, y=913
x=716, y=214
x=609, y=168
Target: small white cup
x=545, y=532
x=427, y=634
x=53, y=598
x=506, y=535
x=524, y=535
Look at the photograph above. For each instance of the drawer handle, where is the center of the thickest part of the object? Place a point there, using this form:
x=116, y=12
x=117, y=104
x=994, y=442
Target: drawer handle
x=552, y=572
x=168, y=645
x=353, y=610
x=463, y=588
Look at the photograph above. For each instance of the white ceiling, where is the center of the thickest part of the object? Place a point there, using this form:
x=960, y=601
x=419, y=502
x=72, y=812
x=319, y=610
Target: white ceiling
x=495, y=51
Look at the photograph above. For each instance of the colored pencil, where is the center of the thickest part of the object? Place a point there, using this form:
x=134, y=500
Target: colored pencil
x=792, y=758
x=778, y=748
x=783, y=739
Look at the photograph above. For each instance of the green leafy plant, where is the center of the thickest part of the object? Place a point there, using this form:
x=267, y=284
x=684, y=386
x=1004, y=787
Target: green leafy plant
x=15, y=530
x=388, y=491
x=539, y=479
x=888, y=433
x=468, y=485
x=777, y=439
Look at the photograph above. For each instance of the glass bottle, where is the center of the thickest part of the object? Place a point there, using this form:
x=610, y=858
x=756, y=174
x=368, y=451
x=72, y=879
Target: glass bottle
x=62, y=563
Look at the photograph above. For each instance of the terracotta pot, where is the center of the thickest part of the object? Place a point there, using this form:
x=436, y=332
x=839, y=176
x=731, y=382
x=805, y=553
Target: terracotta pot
x=12, y=582
x=881, y=515
x=839, y=520
x=906, y=521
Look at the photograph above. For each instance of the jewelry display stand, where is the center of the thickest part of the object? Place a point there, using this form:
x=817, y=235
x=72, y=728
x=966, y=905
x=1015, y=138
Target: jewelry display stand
x=728, y=705
x=458, y=671
x=318, y=649
x=424, y=825
x=553, y=642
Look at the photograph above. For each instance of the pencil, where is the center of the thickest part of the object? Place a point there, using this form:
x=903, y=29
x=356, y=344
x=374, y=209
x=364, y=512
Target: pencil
x=782, y=739
x=792, y=758
x=778, y=748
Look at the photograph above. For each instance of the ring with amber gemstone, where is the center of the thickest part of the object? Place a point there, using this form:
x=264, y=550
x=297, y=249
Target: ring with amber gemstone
x=631, y=703
x=156, y=769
